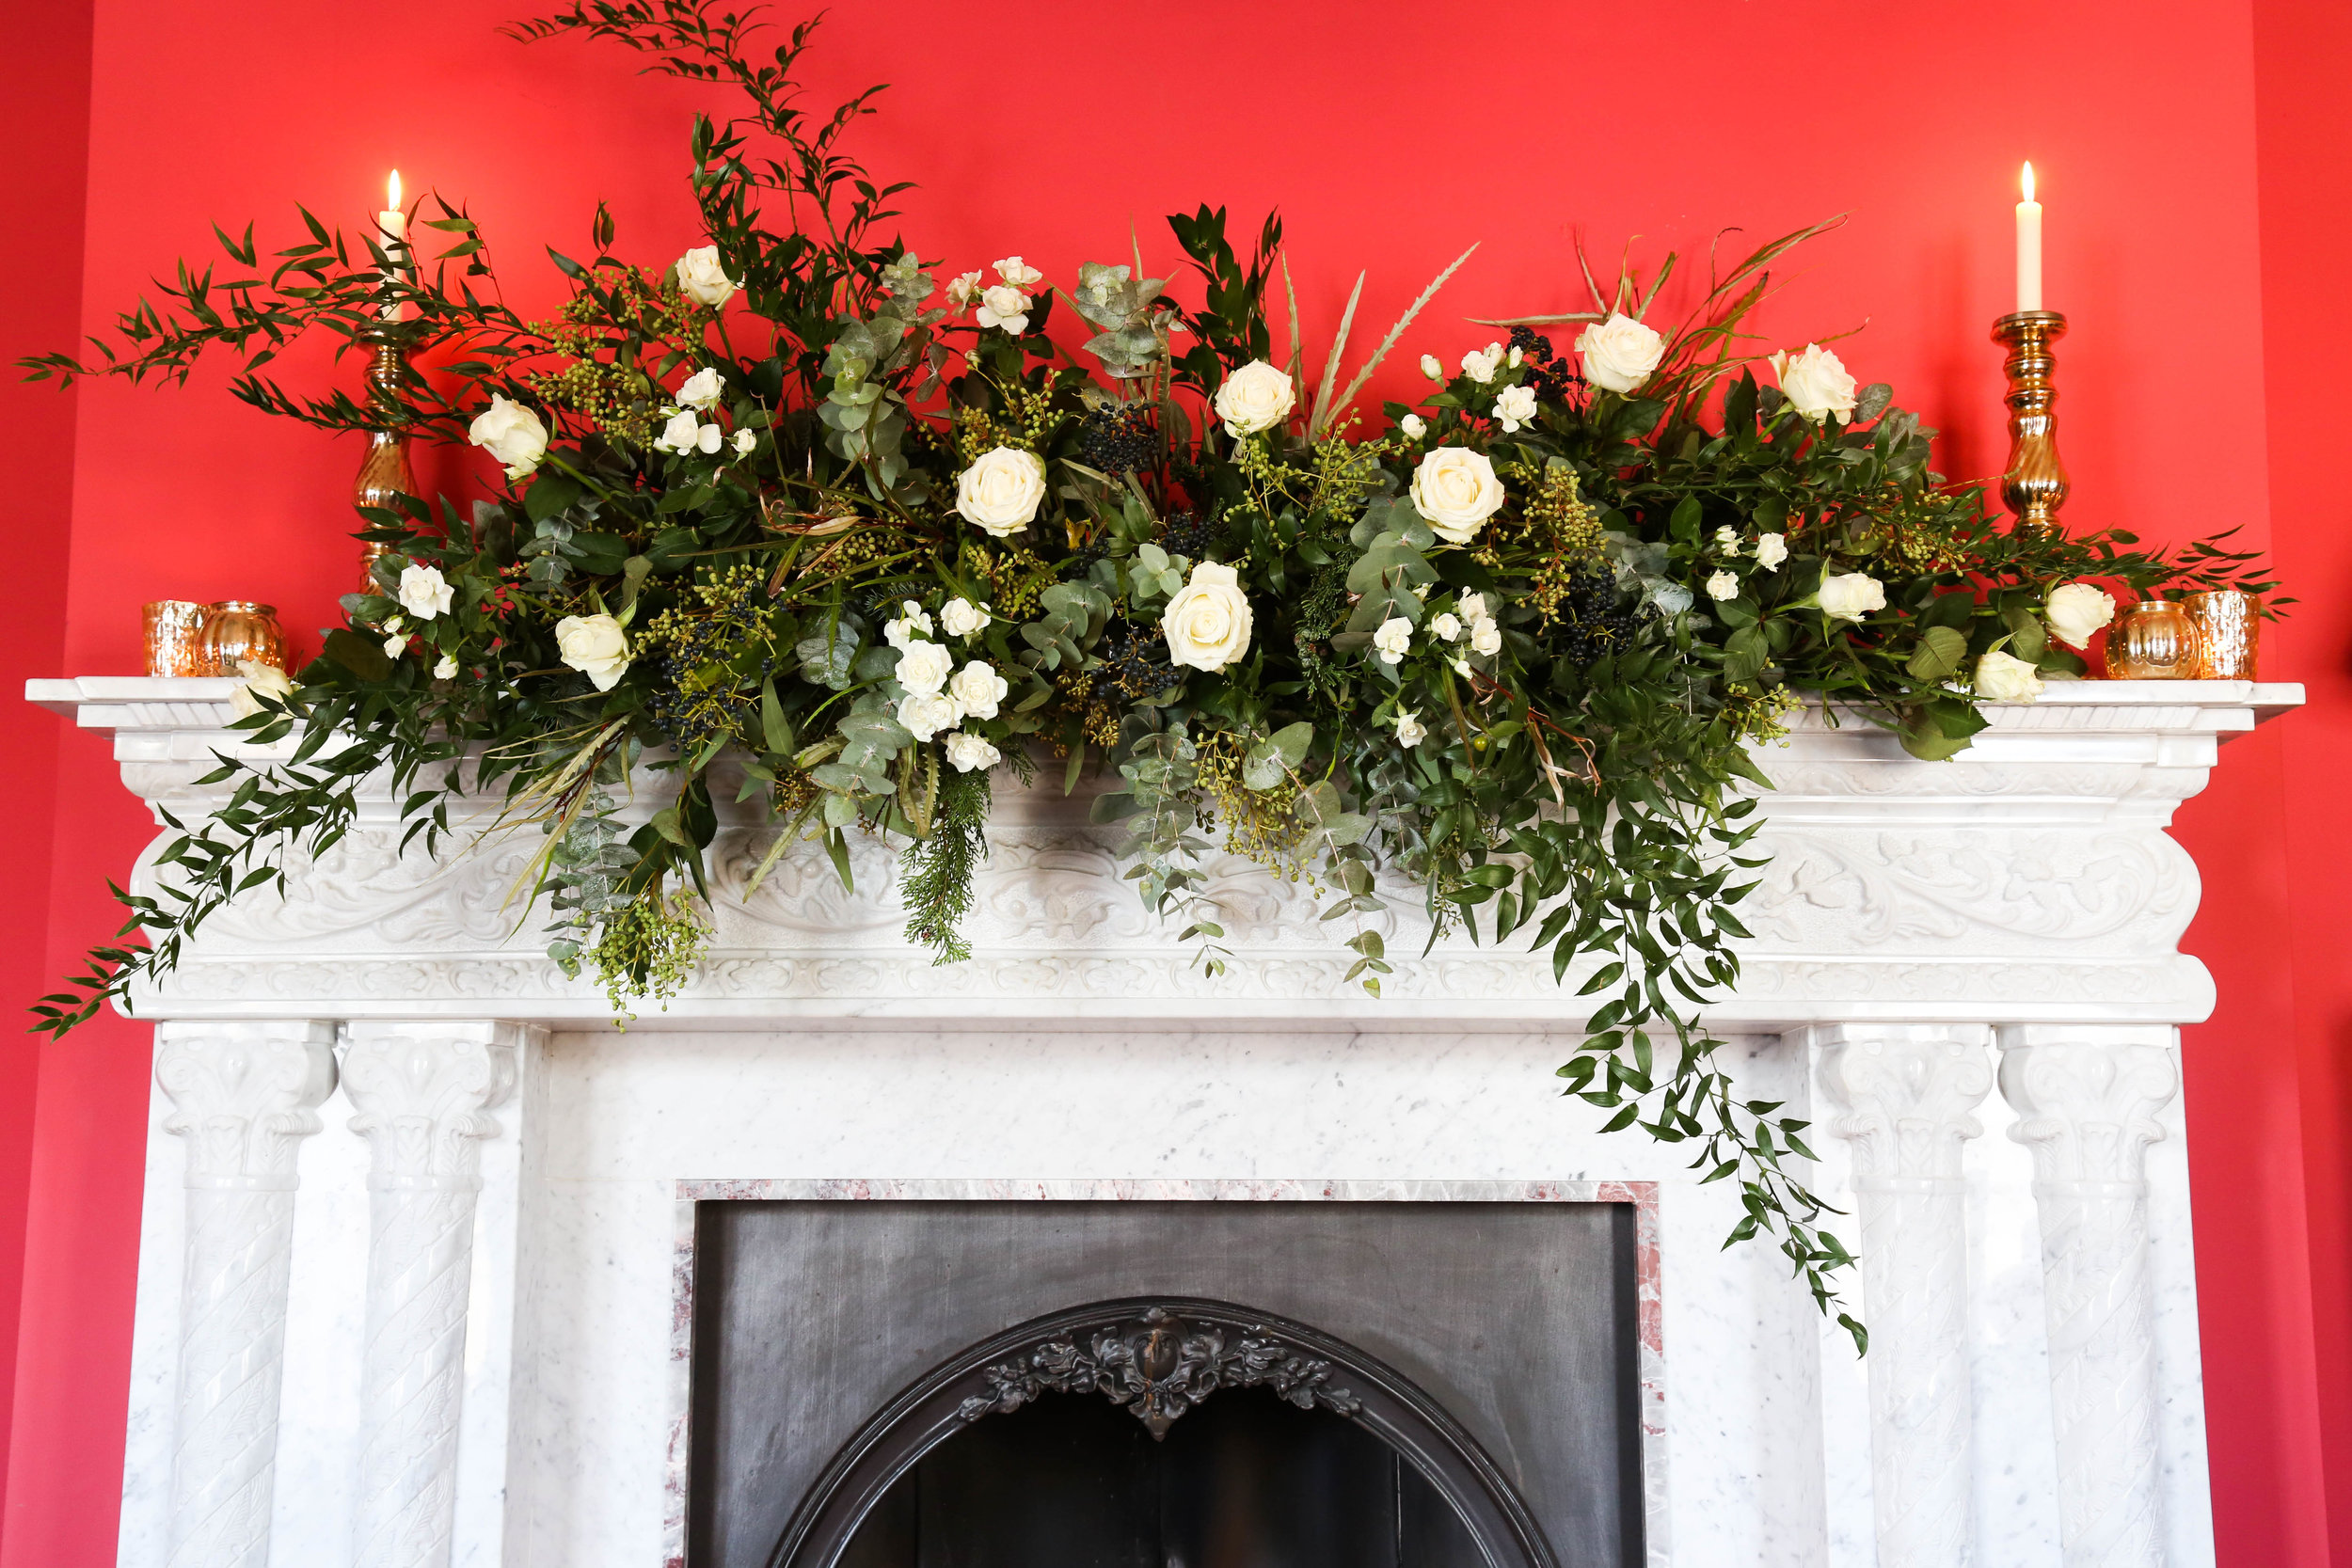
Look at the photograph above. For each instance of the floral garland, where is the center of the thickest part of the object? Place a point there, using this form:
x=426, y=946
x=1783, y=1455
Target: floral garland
x=791, y=501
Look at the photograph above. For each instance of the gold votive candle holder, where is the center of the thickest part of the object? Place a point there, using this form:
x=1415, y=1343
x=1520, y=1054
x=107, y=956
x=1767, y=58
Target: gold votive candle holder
x=241, y=629
x=2229, y=627
x=173, y=631
x=2152, y=641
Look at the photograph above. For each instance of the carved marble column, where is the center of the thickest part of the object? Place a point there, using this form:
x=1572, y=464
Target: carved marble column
x=425, y=1091
x=243, y=1097
x=1904, y=1097
x=2086, y=1098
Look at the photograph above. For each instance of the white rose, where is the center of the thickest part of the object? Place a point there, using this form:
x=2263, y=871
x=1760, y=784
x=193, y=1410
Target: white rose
x=1207, y=623
x=2002, y=678
x=1445, y=625
x=744, y=442
x=1430, y=368
x=1474, y=607
x=706, y=439
x=1817, y=385
x=977, y=688
x=395, y=624
x=1516, y=357
x=900, y=631
x=1770, y=551
x=1394, y=640
x=702, y=388
x=1727, y=539
x=679, y=434
x=423, y=591
x=2077, y=611
x=963, y=288
x=1723, y=585
x=445, y=668
x=1002, y=490
x=1619, y=353
x=1486, y=639
x=513, y=434
x=967, y=752
x=260, y=680
x=962, y=618
x=924, y=666
x=1456, y=490
x=1516, y=407
x=1850, y=595
x=594, y=646
x=1480, y=364
x=926, y=713
x=1414, y=427
x=1254, y=398
x=1410, y=731
x=1003, y=306
x=396, y=644
x=700, y=275
x=1018, y=272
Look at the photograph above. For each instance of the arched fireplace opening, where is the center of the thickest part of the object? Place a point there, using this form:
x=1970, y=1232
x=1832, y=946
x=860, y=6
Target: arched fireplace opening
x=1163, y=1434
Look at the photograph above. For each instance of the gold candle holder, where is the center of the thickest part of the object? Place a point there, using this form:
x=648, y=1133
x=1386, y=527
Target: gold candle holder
x=174, y=636
x=384, y=472
x=2229, y=628
x=236, y=631
x=2152, y=641
x=2035, y=484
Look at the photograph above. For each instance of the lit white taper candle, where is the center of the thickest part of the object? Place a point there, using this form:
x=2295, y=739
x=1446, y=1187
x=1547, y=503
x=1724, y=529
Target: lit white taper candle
x=391, y=227
x=2028, y=246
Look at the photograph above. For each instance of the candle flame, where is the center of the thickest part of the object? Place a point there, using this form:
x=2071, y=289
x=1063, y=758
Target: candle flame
x=391, y=190
x=2024, y=181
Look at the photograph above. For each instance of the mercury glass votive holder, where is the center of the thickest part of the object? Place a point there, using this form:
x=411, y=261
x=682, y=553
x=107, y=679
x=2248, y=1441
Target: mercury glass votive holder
x=240, y=629
x=2152, y=641
x=172, y=632
x=2229, y=627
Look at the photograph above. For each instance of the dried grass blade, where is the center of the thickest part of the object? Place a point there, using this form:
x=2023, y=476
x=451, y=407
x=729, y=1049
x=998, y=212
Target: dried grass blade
x=1398, y=330
x=1331, y=365
x=1297, y=346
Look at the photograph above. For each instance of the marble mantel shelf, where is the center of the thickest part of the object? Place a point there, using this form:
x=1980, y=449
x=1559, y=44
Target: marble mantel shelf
x=2028, y=880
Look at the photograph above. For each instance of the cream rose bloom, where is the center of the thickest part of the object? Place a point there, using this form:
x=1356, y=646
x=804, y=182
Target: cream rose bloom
x=424, y=593
x=1486, y=639
x=1430, y=368
x=744, y=442
x=594, y=645
x=1002, y=305
x=1480, y=364
x=924, y=666
x=1474, y=607
x=2004, y=678
x=926, y=713
x=1001, y=491
x=1410, y=731
x=1394, y=640
x=963, y=618
x=977, y=688
x=963, y=288
x=1414, y=427
x=512, y=433
x=2077, y=612
x=1770, y=551
x=1815, y=382
x=396, y=645
x=1723, y=585
x=1514, y=407
x=1457, y=491
x=968, y=752
x=260, y=680
x=1207, y=623
x=1254, y=398
x=700, y=275
x=1619, y=353
x=702, y=390
x=1014, y=270
x=1444, y=624
x=445, y=668
x=680, y=434
x=902, y=629
x=1850, y=595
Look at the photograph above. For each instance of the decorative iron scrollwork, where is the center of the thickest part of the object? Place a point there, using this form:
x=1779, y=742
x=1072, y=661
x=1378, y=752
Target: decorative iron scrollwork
x=1158, y=1367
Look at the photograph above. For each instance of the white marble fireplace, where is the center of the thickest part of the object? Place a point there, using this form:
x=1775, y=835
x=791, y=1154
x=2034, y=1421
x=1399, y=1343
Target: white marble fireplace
x=415, y=1281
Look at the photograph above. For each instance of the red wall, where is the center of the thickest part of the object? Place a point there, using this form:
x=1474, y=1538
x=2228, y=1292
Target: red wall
x=2185, y=151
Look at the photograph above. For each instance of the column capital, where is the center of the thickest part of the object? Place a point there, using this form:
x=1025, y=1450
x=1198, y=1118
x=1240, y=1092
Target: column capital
x=424, y=1089
x=243, y=1095
x=2088, y=1097
x=1905, y=1094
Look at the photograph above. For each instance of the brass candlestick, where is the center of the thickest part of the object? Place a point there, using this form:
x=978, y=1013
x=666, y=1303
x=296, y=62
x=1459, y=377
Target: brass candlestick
x=384, y=472
x=2035, y=485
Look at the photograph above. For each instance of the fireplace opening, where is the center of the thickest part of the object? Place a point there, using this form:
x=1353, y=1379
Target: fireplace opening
x=1246, y=1480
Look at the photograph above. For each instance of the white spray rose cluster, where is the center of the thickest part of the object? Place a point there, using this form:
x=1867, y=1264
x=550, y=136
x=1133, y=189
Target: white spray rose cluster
x=1256, y=397
x=1005, y=304
x=1207, y=621
x=939, y=695
x=1484, y=635
x=1455, y=491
